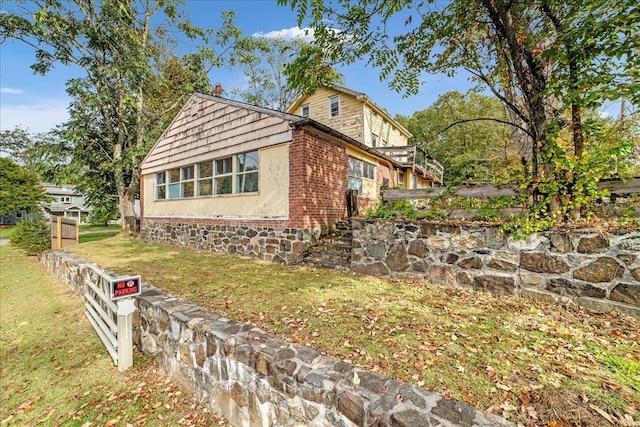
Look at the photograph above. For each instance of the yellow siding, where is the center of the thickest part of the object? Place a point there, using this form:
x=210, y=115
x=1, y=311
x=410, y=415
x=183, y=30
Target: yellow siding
x=375, y=123
x=271, y=202
x=349, y=122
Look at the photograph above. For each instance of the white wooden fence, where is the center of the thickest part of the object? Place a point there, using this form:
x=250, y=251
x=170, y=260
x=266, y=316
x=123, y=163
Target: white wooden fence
x=111, y=321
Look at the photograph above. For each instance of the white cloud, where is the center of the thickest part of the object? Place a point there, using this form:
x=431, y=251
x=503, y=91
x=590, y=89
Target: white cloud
x=41, y=116
x=288, y=34
x=10, y=91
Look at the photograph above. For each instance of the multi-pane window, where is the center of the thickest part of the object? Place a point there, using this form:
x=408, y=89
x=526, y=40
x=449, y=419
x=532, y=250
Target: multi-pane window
x=247, y=172
x=174, y=183
x=374, y=140
x=224, y=176
x=227, y=175
x=334, y=106
x=305, y=110
x=161, y=185
x=205, y=178
x=188, y=183
x=359, y=170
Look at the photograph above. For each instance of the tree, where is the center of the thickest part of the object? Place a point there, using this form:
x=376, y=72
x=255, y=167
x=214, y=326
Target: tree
x=121, y=52
x=43, y=153
x=539, y=58
x=263, y=62
x=476, y=148
x=20, y=190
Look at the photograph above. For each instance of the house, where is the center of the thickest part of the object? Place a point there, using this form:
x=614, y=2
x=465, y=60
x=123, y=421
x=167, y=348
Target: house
x=231, y=177
x=357, y=116
x=65, y=201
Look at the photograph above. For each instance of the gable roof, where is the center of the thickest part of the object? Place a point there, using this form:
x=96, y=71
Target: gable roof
x=287, y=121
x=360, y=96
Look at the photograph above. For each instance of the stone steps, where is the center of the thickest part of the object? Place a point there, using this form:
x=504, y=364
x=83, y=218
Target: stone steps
x=333, y=250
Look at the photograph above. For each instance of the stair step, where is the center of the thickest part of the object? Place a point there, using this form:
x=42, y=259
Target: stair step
x=326, y=262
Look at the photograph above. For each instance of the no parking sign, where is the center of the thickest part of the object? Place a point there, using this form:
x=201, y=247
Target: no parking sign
x=123, y=287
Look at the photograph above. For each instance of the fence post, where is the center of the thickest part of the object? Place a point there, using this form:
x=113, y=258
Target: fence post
x=58, y=232
x=126, y=307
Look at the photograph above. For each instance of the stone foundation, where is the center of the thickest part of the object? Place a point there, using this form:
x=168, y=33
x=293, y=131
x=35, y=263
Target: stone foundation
x=587, y=267
x=255, y=379
x=267, y=243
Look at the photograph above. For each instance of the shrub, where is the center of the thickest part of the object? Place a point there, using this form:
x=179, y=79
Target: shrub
x=32, y=236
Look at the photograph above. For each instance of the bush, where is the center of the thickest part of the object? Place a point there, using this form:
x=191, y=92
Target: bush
x=32, y=235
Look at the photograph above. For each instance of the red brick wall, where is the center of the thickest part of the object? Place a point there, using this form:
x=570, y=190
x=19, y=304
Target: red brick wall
x=317, y=181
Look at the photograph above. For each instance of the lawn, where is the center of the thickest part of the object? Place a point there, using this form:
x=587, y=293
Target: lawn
x=530, y=362
x=55, y=370
x=6, y=232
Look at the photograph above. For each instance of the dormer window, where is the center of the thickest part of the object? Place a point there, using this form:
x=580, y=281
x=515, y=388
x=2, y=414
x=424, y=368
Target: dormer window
x=304, y=110
x=65, y=199
x=334, y=106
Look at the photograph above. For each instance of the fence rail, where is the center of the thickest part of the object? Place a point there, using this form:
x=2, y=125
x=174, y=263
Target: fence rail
x=110, y=320
x=616, y=188
x=64, y=232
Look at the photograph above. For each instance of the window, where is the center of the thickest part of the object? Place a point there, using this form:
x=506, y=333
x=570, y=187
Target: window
x=224, y=176
x=65, y=199
x=374, y=140
x=233, y=174
x=187, y=183
x=359, y=170
x=384, y=142
x=334, y=106
x=247, y=172
x=305, y=110
x=205, y=178
x=174, y=183
x=161, y=185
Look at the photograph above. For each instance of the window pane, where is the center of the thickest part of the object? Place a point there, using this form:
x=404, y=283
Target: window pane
x=187, y=173
x=161, y=192
x=248, y=182
x=205, y=170
x=224, y=185
x=205, y=187
x=160, y=178
x=355, y=184
x=334, y=106
x=174, y=191
x=248, y=162
x=355, y=167
x=174, y=175
x=223, y=166
x=305, y=111
x=187, y=189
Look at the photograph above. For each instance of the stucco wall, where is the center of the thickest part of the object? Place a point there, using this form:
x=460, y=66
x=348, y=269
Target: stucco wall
x=271, y=202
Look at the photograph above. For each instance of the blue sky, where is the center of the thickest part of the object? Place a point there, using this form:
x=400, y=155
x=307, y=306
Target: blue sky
x=39, y=103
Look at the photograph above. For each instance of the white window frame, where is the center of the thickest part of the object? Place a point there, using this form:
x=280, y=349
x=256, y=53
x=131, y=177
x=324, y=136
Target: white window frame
x=304, y=113
x=222, y=175
x=160, y=185
x=203, y=180
x=241, y=175
x=334, y=99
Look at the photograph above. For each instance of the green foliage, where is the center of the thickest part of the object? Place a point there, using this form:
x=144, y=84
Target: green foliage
x=20, y=190
x=391, y=210
x=32, y=235
x=466, y=134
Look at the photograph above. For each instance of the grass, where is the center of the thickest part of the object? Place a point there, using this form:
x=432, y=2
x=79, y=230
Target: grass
x=87, y=228
x=55, y=370
x=7, y=232
x=533, y=363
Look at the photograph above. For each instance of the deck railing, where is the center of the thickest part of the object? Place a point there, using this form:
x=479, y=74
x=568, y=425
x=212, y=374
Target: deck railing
x=415, y=157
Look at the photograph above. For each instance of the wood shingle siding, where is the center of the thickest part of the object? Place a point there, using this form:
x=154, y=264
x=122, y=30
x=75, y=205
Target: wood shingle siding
x=215, y=130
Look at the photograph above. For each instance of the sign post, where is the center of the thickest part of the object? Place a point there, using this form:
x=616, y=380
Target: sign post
x=122, y=289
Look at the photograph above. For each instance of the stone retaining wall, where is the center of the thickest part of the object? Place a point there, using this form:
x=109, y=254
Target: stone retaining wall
x=267, y=243
x=255, y=379
x=586, y=267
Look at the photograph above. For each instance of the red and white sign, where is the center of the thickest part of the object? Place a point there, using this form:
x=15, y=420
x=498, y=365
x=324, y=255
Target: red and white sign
x=124, y=287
